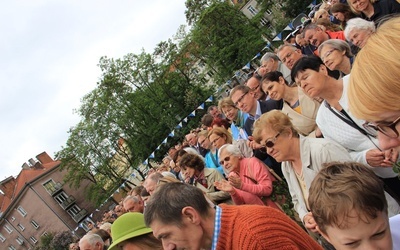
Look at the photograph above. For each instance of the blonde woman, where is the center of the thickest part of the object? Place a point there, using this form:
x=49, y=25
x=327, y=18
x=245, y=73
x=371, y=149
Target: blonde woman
x=374, y=89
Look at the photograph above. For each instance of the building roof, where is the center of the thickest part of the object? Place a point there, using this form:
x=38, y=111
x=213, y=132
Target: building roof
x=24, y=177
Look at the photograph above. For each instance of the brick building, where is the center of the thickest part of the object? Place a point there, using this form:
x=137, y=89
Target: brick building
x=37, y=202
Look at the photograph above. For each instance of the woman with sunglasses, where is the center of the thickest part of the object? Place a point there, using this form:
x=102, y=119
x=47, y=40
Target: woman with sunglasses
x=301, y=157
x=336, y=122
x=249, y=180
x=298, y=106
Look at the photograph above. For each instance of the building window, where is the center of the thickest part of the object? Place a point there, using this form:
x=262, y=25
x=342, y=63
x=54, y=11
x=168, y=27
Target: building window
x=2, y=238
x=50, y=186
x=264, y=22
x=74, y=210
x=13, y=218
x=11, y=247
x=34, y=224
x=252, y=10
x=19, y=240
x=8, y=229
x=22, y=211
x=61, y=197
x=45, y=234
x=21, y=227
x=33, y=239
x=268, y=11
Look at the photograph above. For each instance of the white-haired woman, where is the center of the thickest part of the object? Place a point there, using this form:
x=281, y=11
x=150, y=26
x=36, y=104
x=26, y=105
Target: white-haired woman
x=358, y=31
x=336, y=55
x=249, y=181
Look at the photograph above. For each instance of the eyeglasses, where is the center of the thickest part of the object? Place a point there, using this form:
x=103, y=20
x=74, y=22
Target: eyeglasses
x=255, y=88
x=215, y=140
x=271, y=143
x=389, y=130
x=327, y=54
x=225, y=159
x=240, y=99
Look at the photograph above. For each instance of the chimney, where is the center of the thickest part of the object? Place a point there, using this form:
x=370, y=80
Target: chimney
x=25, y=166
x=32, y=162
x=44, y=158
x=7, y=186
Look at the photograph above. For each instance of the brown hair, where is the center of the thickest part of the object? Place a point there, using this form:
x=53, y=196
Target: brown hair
x=192, y=161
x=341, y=188
x=222, y=132
x=146, y=241
x=275, y=120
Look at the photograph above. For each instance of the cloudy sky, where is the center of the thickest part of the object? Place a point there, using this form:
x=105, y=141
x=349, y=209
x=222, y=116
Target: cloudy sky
x=49, y=55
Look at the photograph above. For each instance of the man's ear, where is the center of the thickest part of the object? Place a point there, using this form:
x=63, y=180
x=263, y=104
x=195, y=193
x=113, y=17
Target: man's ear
x=190, y=215
x=323, y=69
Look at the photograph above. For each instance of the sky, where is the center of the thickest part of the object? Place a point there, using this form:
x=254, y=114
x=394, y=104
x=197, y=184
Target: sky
x=49, y=52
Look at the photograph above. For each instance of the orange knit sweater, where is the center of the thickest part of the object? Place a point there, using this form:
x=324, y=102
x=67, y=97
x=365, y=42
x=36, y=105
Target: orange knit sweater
x=253, y=227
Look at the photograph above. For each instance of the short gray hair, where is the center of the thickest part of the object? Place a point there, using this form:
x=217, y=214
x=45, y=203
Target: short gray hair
x=268, y=56
x=134, y=199
x=337, y=44
x=360, y=24
x=92, y=239
x=231, y=149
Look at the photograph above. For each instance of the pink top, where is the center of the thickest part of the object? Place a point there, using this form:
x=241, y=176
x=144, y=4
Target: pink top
x=250, y=192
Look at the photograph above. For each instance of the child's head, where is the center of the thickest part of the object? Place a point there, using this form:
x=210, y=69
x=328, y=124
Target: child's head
x=349, y=206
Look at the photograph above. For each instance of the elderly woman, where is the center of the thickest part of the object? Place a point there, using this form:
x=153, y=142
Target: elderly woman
x=236, y=116
x=220, y=136
x=129, y=231
x=249, y=180
x=379, y=103
x=298, y=106
x=358, y=31
x=338, y=124
x=301, y=157
x=211, y=158
x=374, y=10
x=196, y=174
x=336, y=55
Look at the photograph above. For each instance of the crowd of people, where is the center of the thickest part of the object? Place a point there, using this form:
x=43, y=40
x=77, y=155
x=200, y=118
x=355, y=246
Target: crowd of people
x=321, y=114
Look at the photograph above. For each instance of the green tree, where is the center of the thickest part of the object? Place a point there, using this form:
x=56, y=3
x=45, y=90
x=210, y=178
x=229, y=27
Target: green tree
x=138, y=100
x=225, y=39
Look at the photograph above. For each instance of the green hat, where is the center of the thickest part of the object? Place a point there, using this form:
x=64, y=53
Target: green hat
x=128, y=226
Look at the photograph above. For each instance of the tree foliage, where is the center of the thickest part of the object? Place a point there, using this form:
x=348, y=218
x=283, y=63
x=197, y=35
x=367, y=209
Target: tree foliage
x=137, y=102
x=225, y=39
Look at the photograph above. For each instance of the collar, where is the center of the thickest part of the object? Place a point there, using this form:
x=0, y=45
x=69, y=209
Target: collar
x=217, y=227
x=258, y=112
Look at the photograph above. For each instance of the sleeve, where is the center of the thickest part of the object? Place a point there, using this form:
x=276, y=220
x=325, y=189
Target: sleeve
x=214, y=194
x=260, y=173
x=296, y=195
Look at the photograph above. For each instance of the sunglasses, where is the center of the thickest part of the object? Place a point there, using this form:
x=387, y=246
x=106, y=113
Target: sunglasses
x=225, y=159
x=270, y=143
x=240, y=99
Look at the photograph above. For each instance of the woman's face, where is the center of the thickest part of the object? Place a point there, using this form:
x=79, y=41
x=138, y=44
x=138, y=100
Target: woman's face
x=385, y=119
x=339, y=16
x=230, y=113
x=359, y=37
x=280, y=146
x=360, y=5
x=188, y=172
x=216, y=140
x=312, y=82
x=204, y=142
x=229, y=162
x=331, y=57
x=274, y=89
